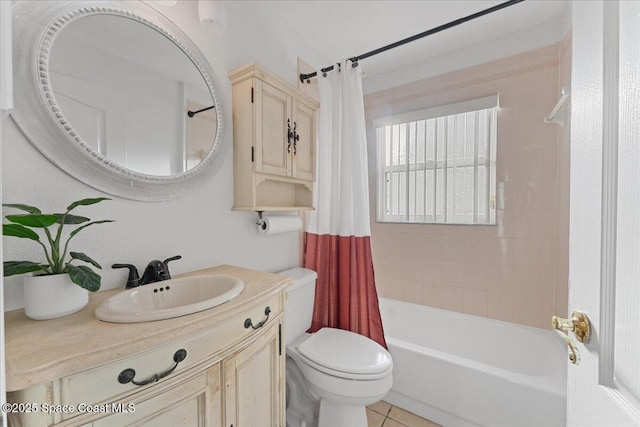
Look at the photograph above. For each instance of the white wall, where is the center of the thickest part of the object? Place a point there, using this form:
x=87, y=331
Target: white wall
x=3, y=385
x=200, y=226
x=6, y=103
x=525, y=40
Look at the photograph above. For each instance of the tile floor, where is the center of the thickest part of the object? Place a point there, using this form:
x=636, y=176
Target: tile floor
x=383, y=414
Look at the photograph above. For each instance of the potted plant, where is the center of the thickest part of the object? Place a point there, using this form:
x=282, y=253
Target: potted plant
x=58, y=287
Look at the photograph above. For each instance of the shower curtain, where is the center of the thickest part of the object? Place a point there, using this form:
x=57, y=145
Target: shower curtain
x=338, y=235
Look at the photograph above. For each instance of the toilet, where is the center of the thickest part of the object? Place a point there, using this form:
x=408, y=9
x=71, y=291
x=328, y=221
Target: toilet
x=332, y=375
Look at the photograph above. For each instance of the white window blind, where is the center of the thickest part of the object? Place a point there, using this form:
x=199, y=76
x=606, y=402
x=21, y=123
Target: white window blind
x=438, y=165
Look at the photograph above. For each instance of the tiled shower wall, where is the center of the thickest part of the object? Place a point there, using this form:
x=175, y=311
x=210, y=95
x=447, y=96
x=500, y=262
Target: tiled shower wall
x=517, y=270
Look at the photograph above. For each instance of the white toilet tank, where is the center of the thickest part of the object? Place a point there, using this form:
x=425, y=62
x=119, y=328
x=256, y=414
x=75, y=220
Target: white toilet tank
x=299, y=306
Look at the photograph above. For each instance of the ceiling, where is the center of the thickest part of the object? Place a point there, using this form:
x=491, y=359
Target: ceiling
x=342, y=29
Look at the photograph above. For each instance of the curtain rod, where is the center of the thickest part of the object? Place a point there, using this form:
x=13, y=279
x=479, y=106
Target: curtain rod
x=355, y=59
x=193, y=113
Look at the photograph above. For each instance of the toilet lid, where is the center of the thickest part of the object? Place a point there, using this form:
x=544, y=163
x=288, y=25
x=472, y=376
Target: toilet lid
x=345, y=351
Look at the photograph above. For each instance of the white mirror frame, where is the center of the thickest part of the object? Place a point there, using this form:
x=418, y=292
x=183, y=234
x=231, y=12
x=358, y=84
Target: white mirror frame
x=36, y=112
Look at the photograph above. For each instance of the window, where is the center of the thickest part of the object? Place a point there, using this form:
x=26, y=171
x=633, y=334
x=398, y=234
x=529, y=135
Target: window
x=438, y=166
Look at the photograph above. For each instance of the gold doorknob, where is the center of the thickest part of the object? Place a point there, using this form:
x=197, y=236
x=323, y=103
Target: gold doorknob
x=581, y=328
x=578, y=324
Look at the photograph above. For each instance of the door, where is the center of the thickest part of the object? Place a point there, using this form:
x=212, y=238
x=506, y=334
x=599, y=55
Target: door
x=604, y=273
x=98, y=114
x=304, y=145
x=200, y=132
x=273, y=146
x=254, y=384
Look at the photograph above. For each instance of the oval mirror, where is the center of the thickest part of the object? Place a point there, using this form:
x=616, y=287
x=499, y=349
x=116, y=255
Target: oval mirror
x=122, y=101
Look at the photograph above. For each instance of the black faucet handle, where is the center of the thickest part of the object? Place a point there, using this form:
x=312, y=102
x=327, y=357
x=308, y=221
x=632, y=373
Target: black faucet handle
x=134, y=279
x=173, y=258
x=166, y=264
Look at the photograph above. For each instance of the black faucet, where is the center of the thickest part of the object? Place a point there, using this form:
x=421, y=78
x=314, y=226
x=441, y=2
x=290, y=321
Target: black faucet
x=156, y=271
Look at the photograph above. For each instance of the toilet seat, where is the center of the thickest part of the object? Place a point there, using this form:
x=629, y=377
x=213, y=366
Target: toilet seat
x=341, y=388
x=345, y=354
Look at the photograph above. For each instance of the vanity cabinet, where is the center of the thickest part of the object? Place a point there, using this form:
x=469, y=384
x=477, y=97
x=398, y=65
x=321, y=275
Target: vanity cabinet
x=274, y=142
x=232, y=372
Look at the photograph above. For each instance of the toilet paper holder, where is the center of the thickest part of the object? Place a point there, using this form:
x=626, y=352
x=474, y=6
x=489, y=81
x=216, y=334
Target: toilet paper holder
x=260, y=223
x=277, y=224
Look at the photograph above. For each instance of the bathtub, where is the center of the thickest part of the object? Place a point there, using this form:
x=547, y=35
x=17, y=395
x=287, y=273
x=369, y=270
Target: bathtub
x=461, y=370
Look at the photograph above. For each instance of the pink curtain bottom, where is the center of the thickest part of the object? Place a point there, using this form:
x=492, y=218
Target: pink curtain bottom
x=346, y=296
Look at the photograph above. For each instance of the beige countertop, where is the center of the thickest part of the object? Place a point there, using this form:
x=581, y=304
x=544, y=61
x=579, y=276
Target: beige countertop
x=39, y=351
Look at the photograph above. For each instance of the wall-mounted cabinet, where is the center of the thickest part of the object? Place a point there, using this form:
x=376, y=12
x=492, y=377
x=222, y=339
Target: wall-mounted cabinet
x=274, y=127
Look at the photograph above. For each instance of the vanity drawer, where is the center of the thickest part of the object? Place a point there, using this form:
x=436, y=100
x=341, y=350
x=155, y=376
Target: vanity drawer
x=102, y=384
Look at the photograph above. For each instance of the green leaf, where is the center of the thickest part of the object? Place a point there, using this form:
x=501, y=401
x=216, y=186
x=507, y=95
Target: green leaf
x=86, y=202
x=77, y=230
x=33, y=220
x=26, y=208
x=12, y=268
x=83, y=257
x=84, y=277
x=17, y=230
x=70, y=219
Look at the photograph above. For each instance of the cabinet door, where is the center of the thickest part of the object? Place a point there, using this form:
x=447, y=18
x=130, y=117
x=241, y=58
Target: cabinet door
x=272, y=150
x=304, y=159
x=254, y=384
x=196, y=402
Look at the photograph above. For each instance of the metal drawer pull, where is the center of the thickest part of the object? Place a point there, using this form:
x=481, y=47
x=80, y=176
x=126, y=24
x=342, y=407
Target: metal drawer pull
x=296, y=138
x=249, y=324
x=127, y=375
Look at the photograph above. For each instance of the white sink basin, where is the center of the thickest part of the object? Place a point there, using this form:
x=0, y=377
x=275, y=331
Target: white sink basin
x=169, y=298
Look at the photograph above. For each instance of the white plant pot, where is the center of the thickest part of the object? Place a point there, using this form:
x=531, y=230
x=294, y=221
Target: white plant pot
x=48, y=297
